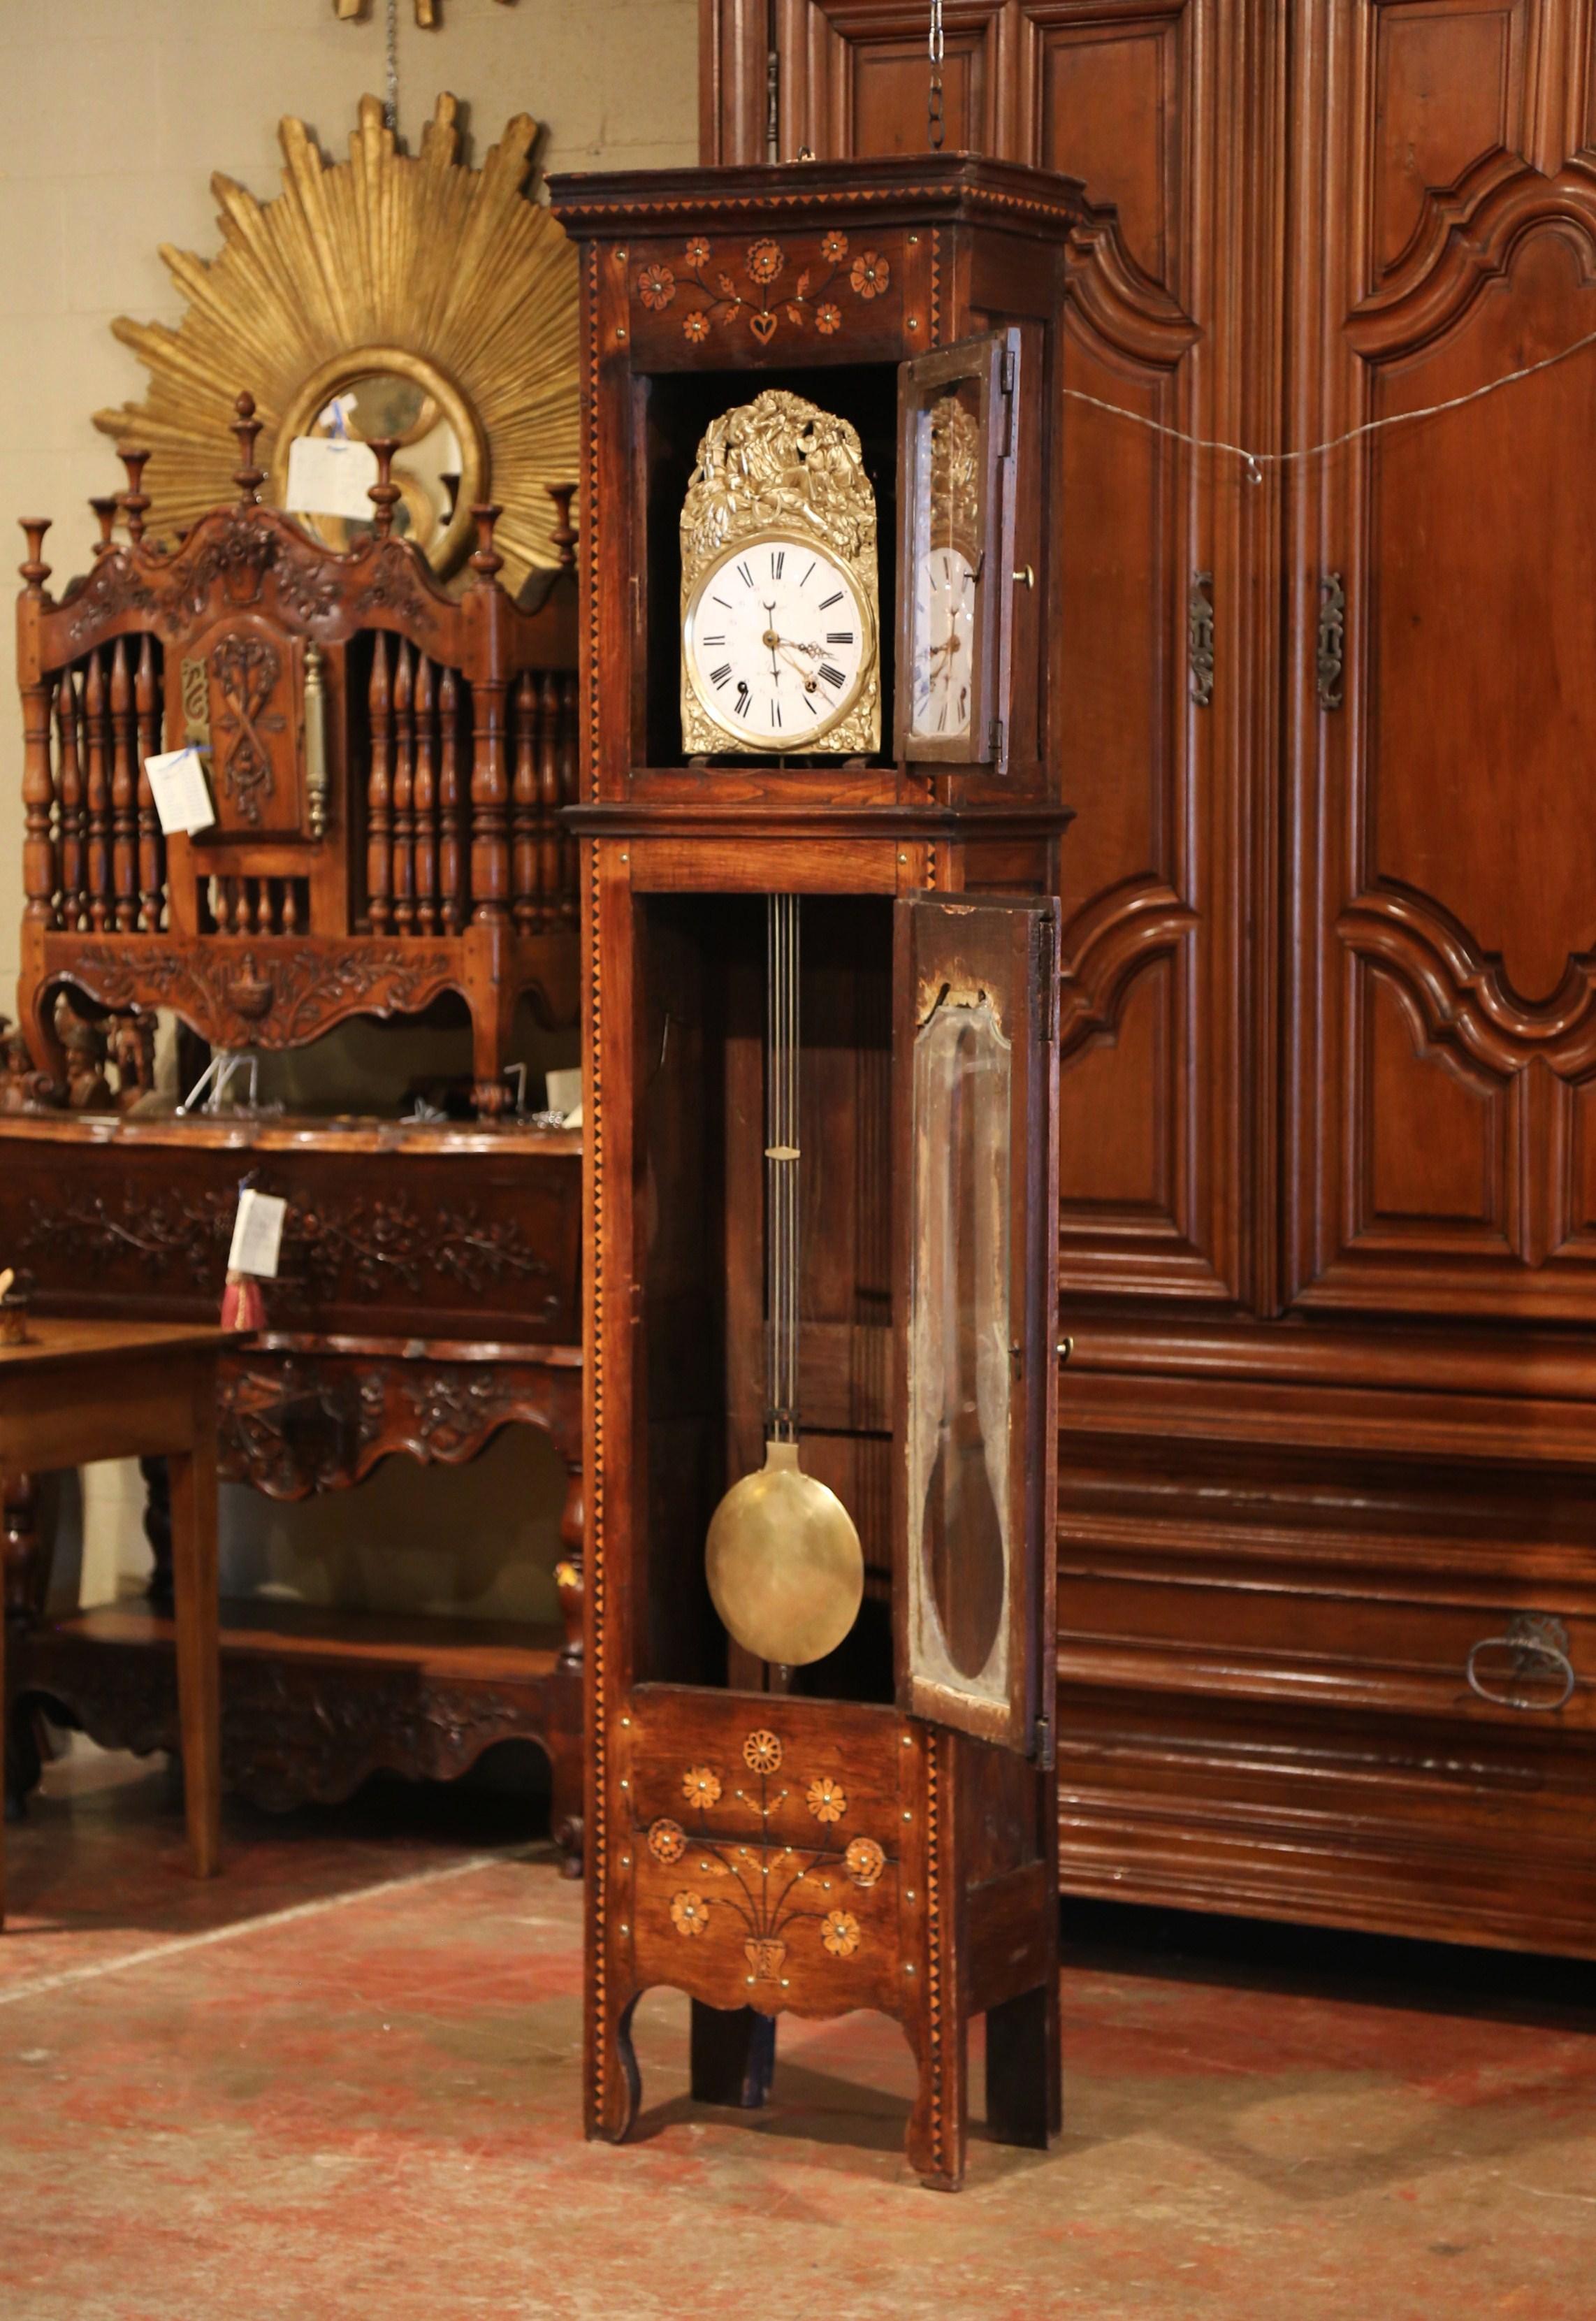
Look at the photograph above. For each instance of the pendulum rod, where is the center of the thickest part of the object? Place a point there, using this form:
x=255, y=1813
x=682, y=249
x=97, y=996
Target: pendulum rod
x=781, y=1165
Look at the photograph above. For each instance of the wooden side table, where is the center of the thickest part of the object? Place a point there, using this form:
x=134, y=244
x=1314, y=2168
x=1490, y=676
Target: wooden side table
x=80, y=1391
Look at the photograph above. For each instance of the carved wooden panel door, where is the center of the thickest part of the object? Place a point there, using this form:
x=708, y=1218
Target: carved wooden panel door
x=1442, y=943
x=1154, y=104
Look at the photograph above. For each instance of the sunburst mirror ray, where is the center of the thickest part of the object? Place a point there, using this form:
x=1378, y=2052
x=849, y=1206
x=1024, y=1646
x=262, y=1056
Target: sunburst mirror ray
x=394, y=294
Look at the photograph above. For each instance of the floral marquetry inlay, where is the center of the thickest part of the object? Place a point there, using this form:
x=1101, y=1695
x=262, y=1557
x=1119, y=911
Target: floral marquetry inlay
x=761, y=286
x=773, y=1888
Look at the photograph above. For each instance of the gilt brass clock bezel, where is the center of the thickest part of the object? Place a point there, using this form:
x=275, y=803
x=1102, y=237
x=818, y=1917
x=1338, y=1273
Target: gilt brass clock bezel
x=815, y=737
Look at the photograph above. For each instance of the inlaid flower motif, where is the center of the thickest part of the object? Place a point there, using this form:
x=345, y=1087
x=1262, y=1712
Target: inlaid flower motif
x=695, y=326
x=657, y=286
x=668, y=1840
x=870, y=275
x=701, y=1787
x=833, y=248
x=863, y=1861
x=826, y=1799
x=839, y=1931
x=697, y=252
x=761, y=1753
x=828, y=318
x=765, y=259
x=689, y=1913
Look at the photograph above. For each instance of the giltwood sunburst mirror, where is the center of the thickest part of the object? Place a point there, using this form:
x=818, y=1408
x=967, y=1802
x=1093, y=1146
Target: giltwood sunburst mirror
x=384, y=296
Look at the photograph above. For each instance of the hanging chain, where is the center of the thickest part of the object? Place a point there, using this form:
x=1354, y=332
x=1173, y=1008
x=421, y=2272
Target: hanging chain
x=391, y=109
x=1256, y=461
x=935, y=124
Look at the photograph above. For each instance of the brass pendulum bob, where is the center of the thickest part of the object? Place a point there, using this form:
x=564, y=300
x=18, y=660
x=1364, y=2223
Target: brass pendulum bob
x=785, y=1569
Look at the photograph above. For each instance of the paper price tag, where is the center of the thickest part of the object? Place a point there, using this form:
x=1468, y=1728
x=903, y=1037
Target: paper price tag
x=562, y=1093
x=258, y=1236
x=330, y=475
x=182, y=795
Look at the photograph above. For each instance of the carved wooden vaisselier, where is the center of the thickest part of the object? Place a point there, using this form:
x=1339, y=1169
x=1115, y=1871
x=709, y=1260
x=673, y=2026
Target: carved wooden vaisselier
x=819, y=837
x=386, y=762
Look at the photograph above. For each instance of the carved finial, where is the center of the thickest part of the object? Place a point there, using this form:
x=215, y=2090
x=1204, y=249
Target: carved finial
x=486, y=562
x=564, y=534
x=104, y=505
x=247, y=475
x=135, y=499
x=385, y=492
x=35, y=571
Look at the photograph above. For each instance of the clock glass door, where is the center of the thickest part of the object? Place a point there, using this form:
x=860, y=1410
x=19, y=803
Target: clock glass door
x=955, y=500
x=976, y=1081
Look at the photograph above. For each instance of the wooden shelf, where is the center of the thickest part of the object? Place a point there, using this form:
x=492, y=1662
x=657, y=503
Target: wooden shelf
x=436, y=1646
x=314, y=1701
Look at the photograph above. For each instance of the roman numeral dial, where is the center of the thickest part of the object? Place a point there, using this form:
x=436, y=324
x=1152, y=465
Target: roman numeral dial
x=778, y=644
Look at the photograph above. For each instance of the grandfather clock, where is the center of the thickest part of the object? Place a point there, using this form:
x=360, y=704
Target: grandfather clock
x=818, y=840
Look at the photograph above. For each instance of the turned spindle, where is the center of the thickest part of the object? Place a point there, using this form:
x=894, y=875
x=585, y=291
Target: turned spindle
x=486, y=562
x=247, y=475
x=35, y=571
x=40, y=877
x=135, y=499
x=564, y=534
x=103, y=505
x=385, y=492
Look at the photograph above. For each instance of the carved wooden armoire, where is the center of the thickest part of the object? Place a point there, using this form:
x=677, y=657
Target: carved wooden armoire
x=1327, y=1531
x=812, y=399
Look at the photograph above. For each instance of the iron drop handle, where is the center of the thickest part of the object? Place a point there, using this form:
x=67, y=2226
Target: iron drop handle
x=1537, y=1647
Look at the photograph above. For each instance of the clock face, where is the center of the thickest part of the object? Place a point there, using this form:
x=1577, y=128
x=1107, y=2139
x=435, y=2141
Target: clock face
x=942, y=645
x=778, y=644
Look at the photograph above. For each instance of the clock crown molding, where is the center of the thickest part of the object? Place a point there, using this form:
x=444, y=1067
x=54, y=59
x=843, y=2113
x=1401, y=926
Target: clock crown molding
x=962, y=183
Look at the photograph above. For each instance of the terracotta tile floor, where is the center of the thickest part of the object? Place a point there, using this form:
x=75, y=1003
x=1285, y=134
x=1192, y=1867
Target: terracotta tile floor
x=342, y=2082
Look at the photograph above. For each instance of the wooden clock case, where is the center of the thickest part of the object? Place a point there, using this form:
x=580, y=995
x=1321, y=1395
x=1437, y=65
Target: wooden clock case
x=764, y=1839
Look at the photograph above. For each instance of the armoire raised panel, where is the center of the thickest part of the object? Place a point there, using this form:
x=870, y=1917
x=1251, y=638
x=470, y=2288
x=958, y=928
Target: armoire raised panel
x=1327, y=1010
x=1443, y=851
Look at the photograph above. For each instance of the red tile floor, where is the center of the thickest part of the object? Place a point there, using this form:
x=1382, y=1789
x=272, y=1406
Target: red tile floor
x=342, y=2082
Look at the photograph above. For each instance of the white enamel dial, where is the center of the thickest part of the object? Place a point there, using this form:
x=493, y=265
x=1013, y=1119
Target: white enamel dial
x=778, y=644
x=942, y=643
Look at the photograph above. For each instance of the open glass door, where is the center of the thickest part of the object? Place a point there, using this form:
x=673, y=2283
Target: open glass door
x=976, y=1096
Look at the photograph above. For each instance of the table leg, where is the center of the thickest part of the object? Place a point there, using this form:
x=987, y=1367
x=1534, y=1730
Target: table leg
x=3, y=1717
x=196, y=1615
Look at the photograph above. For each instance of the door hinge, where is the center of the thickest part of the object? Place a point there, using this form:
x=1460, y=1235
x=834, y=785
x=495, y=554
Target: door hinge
x=773, y=87
x=1330, y=659
x=1047, y=986
x=996, y=742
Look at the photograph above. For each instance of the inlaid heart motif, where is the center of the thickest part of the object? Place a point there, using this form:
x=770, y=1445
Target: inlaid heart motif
x=763, y=326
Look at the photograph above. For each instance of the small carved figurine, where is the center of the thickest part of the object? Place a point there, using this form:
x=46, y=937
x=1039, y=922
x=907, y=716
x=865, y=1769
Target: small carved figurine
x=131, y=1041
x=87, y=1088
x=18, y=1078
